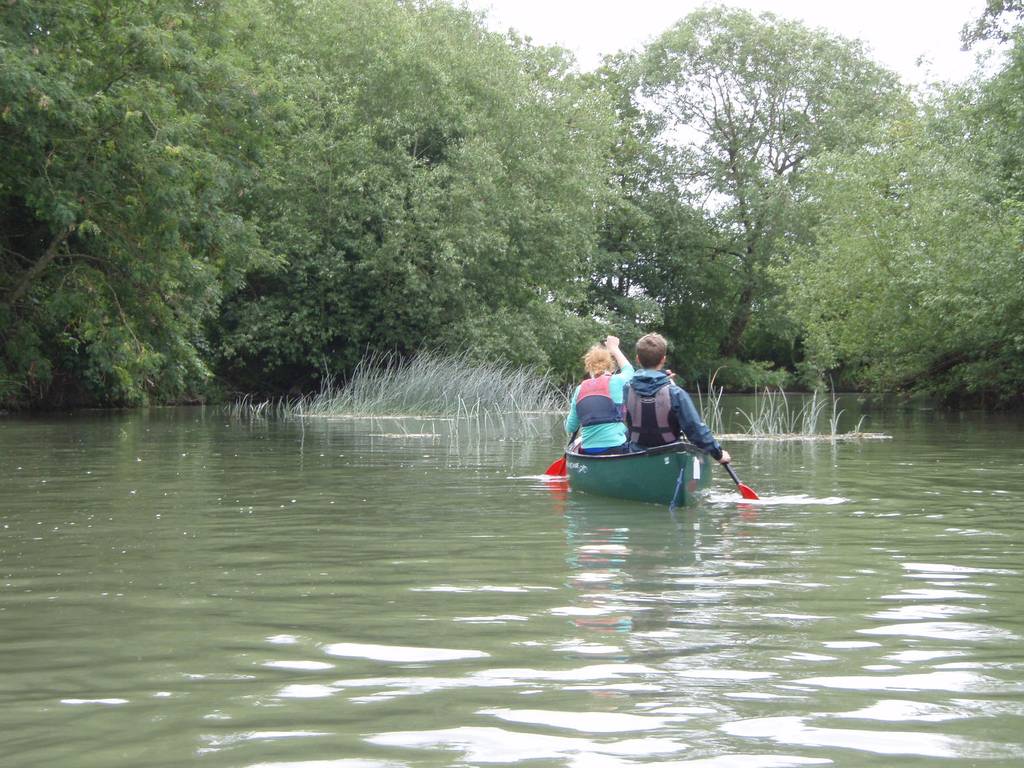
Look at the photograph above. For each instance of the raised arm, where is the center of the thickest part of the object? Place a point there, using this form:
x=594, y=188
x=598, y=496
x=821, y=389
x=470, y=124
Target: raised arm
x=611, y=343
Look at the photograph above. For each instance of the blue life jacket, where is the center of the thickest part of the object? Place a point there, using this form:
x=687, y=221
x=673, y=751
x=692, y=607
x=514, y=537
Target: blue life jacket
x=594, y=404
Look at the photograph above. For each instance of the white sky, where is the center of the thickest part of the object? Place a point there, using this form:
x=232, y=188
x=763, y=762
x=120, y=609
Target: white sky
x=898, y=32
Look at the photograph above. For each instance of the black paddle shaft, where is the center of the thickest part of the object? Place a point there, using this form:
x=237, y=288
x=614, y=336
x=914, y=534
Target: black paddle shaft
x=732, y=474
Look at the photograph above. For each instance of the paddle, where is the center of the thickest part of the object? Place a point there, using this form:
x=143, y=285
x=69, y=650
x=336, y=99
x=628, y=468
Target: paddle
x=679, y=485
x=557, y=467
x=745, y=490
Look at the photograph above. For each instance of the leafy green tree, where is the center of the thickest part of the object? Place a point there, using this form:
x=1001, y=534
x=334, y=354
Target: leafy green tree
x=1000, y=20
x=998, y=103
x=435, y=186
x=650, y=269
x=118, y=228
x=750, y=100
x=915, y=278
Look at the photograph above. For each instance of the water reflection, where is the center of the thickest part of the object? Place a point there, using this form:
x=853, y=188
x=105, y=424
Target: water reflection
x=369, y=593
x=496, y=745
x=795, y=731
x=401, y=654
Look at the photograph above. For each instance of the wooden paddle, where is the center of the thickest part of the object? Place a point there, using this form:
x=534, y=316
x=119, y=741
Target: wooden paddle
x=745, y=490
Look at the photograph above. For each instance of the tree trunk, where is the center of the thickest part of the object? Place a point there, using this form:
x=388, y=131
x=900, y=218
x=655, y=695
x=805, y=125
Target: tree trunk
x=730, y=345
x=30, y=274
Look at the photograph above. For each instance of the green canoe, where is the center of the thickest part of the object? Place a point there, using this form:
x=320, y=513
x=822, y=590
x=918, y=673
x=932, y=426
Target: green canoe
x=652, y=475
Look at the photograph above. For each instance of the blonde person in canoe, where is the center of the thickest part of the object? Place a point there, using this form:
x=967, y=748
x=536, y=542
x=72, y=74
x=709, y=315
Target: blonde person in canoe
x=597, y=406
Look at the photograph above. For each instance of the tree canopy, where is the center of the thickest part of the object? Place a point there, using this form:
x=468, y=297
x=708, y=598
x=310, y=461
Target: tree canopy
x=119, y=182
x=230, y=196
x=435, y=185
x=751, y=100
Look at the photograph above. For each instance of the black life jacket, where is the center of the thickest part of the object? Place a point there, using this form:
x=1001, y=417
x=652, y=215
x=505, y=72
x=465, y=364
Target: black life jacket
x=594, y=404
x=650, y=419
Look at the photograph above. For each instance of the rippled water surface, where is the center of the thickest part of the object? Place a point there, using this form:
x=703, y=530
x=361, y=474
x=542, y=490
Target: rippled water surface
x=177, y=588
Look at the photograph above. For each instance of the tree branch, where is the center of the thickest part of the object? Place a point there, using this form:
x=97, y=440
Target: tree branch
x=15, y=294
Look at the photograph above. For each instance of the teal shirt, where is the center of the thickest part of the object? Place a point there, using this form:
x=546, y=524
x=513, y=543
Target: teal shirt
x=602, y=435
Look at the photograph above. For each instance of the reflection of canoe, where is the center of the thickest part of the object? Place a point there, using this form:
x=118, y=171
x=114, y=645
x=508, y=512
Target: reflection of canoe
x=651, y=475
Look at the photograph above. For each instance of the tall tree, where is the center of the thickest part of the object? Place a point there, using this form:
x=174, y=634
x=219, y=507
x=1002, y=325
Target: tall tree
x=651, y=267
x=435, y=186
x=999, y=100
x=916, y=278
x=118, y=227
x=750, y=100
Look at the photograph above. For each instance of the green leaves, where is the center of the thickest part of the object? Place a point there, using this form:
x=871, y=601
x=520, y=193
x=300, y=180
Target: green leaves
x=270, y=189
x=432, y=181
x=119, y=206
x=914, y=279
x=751, y=100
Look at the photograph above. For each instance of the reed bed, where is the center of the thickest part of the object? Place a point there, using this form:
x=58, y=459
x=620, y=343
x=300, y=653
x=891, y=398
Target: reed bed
x=773, y=417
x=712, y=411
x=429, y=384
x=496, y=394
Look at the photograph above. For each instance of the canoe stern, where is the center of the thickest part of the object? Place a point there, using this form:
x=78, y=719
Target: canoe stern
x=651, y=476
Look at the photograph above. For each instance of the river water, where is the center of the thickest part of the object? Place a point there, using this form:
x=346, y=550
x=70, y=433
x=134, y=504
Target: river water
x=178, y=588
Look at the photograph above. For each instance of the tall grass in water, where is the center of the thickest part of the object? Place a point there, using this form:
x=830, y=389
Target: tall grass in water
x=712, y=412
x=773, y=417
x=429, y=384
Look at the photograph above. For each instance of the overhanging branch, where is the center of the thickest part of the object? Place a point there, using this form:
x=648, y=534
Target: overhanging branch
x=19, y=289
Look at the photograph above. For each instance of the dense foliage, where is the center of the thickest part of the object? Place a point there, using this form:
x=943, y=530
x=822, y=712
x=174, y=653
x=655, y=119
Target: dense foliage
x=915, y=278
x=433, y=184
x=119, y=182
x=254, y=195
x=753, y=100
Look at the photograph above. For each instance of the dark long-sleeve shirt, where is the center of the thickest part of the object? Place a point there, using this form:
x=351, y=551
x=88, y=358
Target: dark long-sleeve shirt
x=646, y=382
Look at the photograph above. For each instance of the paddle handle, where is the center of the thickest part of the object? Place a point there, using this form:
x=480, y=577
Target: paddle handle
x=745, y=490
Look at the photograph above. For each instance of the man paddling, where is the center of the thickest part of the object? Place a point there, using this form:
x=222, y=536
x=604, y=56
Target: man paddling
x=658, y=411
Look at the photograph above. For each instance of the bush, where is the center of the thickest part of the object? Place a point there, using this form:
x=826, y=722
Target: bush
x=747, y=376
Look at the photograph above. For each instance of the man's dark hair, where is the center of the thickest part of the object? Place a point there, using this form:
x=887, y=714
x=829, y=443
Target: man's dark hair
x=650, y=349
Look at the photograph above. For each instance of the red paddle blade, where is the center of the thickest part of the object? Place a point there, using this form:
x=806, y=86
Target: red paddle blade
x=557, y=467
x=747, y=492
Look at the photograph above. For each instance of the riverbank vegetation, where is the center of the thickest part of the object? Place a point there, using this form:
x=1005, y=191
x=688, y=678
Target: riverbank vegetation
x=426, y=384
x=781, y=416
x=245, y=196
